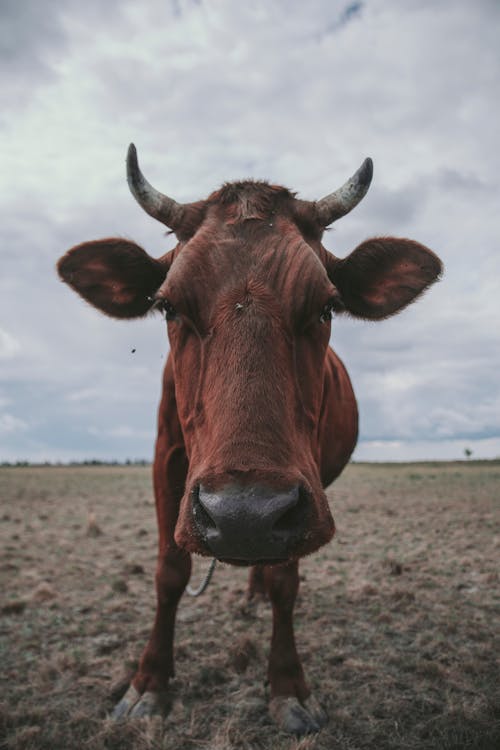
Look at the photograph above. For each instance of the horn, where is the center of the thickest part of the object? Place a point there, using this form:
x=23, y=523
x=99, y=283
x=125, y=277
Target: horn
x=337, y=204
x=157, y=205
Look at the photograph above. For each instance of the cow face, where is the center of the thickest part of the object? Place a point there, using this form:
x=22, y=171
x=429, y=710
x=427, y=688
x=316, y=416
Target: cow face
x=248, y=305
x=248, y=295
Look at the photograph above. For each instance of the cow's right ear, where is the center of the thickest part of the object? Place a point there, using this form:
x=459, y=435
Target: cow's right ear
x=114, y=275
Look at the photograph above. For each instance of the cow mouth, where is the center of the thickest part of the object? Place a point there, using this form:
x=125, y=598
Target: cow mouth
x=250, y=525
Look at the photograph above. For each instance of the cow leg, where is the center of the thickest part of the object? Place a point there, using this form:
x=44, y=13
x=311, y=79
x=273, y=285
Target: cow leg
x=147, y=693
x=292, y=707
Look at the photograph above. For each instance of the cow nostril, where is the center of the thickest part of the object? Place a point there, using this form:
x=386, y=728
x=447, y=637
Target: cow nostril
x=292, y=520
x=201, y=513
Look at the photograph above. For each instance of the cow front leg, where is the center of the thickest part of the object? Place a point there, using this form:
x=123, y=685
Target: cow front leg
x=147, y=694
x=292, y=706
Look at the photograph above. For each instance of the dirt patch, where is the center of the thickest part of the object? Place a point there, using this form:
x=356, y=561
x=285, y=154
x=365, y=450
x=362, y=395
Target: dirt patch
x=397, y=619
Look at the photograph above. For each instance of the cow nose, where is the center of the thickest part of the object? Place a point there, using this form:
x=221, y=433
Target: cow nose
x=251, y=523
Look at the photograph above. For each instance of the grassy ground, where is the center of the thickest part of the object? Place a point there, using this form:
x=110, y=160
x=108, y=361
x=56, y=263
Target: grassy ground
x=397, y=620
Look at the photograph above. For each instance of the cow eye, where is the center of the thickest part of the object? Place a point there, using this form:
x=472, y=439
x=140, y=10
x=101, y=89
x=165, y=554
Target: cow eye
x=168, y=309
x=326, y=313
x=164, y=306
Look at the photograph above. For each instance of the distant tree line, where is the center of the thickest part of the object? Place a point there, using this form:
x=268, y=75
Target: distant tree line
x=87, y=462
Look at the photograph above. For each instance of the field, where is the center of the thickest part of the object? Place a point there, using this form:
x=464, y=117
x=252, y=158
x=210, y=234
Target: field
x=397, y=619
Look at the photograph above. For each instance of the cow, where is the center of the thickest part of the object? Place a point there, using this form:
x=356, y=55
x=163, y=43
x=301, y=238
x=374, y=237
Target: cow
x=257, y=414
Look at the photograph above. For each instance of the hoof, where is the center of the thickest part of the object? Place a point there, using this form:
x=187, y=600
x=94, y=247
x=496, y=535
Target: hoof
x=136, y=706
x=297, y=718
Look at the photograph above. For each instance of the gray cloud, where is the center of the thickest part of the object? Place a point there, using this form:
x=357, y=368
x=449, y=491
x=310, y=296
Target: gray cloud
x=28, y=30
x=298, y=93
x=34, y=40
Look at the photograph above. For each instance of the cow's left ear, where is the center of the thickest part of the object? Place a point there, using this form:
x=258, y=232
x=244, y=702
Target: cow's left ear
x=114, y=275
x=383, y=275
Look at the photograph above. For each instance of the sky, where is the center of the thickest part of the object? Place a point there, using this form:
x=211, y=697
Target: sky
x=212, y=90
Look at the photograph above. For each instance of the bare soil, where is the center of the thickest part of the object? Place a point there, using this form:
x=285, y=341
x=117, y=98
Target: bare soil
x=397, y=620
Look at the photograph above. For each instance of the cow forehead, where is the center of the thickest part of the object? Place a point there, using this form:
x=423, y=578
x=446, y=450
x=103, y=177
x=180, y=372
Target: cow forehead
x=250, y=199
x=231, y=254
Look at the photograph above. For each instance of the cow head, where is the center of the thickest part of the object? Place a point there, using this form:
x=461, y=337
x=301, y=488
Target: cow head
x=248, y=294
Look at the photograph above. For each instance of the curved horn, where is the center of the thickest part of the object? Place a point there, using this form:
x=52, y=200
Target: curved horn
x=157, y=205
x=337, y=204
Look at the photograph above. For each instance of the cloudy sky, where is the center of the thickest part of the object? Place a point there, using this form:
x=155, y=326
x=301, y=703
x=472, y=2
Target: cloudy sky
x=212, y=90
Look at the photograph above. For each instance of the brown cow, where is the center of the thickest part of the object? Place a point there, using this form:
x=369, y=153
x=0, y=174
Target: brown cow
x=257, y=414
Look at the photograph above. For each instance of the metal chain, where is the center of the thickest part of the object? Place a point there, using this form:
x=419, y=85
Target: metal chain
x=203, y=585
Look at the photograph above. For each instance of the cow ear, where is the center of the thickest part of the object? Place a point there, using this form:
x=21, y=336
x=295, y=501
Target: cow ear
x=383, y=275
x=114, y=275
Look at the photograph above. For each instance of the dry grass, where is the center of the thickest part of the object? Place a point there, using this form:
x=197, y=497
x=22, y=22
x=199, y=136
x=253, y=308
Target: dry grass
x=397, y=620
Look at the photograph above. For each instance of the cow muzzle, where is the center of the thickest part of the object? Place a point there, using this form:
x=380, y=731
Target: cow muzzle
x=250, y=524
